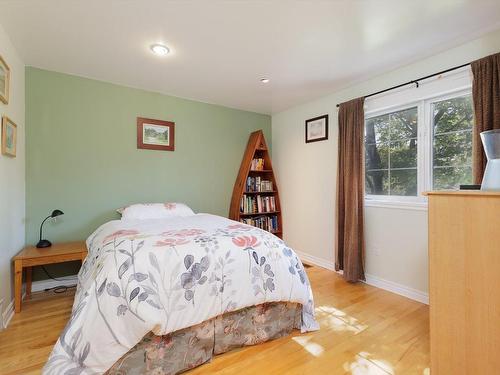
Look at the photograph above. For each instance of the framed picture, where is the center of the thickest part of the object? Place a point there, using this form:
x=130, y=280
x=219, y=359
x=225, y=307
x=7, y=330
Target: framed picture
x=317, y=129
x=155, y=134
x=9, y=137
x=4, y=81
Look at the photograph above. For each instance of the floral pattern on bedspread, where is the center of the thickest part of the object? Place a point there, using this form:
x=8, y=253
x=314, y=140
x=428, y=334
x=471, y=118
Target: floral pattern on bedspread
x=168, y=354
x=165, y=275
x=255, y=325
x=190, y=347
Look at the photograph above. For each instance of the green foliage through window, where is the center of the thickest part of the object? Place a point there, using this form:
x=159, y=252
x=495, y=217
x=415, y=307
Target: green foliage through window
x=392, y=146
x=391, y=153
x=452, y=142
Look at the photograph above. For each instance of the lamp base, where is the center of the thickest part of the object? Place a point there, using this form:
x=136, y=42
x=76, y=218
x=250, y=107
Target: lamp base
x=43, y=244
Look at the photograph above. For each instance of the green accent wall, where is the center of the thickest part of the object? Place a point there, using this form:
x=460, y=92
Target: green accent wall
x=81, y=153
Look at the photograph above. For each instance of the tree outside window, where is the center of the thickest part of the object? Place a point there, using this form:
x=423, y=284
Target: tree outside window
x=392, y=148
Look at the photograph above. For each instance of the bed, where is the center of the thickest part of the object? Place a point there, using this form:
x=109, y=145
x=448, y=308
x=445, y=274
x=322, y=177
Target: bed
x=162, y=274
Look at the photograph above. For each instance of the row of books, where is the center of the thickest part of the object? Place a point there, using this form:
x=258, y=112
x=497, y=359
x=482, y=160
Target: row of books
x=258, y=184
x=257, y=204
x=257, y=164
x=269, y=223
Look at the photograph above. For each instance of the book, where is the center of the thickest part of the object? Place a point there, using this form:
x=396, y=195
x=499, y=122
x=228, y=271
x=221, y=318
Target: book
x=257, y=164
x=257, y=184
x=268, y=223
x=257, y=204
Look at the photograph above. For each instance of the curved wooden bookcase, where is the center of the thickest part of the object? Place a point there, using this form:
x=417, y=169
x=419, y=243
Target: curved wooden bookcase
x=256, y=149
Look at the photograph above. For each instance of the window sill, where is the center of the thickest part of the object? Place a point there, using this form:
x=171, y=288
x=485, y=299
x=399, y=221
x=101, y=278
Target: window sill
x=415, y=206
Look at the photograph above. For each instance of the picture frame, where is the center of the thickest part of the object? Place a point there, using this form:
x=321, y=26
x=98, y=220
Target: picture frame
x=9, y=137
x=4, y=81
x=317, y=129
x=155, y=134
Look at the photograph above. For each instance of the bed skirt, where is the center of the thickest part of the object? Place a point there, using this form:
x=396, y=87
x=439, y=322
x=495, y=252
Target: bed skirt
x=191, y=347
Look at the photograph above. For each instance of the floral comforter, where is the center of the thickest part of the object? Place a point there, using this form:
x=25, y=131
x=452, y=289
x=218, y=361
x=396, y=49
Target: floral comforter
x=168, y=274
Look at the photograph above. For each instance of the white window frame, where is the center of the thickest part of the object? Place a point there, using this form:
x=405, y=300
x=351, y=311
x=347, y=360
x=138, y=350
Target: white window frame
x=455, y=84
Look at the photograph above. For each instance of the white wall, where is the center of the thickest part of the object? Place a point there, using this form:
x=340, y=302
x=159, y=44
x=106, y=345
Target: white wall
x=396, y=239
x=12, y=177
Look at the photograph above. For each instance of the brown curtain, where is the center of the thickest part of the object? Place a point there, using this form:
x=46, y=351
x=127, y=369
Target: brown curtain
x=350, y=247
x=486, y=99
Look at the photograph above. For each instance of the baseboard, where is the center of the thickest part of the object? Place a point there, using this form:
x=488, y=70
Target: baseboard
x=372, y=280
x=2, y=324
x=315, y=261
x=400, y=289
x=41, y=285
x=8, y=314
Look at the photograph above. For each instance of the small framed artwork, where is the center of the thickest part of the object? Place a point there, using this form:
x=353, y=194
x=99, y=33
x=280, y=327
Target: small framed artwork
x=9, y=137
x=155, y=134
x=4, y=81
x=317, y=129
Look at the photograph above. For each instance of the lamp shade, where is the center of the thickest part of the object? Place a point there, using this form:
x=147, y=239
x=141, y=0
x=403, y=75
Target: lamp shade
x=56, y=213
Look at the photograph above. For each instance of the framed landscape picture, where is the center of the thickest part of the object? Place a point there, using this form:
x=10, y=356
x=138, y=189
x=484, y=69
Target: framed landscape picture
x=317, y=129
x=155, y=134
x=9, y=137
x=4, y=81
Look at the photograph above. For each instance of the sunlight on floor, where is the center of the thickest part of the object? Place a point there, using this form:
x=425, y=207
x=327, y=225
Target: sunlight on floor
x=364, y=365
x=385, y=365
x=338, y=320
x=313, y=348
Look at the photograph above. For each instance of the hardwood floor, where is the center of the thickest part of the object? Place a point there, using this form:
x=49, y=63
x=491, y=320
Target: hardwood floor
x=364, y=330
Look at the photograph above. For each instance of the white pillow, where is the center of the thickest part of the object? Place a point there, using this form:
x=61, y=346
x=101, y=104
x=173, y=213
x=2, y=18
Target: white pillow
x=144, y=211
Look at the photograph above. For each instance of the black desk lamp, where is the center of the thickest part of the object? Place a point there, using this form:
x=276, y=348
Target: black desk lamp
x=47, y=243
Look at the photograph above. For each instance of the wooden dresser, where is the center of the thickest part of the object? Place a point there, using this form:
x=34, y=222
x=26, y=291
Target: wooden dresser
x=464, y=261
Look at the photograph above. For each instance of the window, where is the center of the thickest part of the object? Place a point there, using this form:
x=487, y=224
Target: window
x=452, y=122
x=425, y=145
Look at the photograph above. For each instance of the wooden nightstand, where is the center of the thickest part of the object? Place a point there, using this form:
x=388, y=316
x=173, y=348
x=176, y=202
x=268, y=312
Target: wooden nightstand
x=31, y=256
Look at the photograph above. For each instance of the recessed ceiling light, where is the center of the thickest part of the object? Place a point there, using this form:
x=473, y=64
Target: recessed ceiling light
x=264, y=80
x=160, y=49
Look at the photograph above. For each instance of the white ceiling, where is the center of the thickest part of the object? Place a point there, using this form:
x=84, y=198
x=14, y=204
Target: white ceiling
x=221, y=49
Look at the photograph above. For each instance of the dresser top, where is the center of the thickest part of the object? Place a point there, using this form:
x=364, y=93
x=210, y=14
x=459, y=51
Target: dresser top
x=464, y=193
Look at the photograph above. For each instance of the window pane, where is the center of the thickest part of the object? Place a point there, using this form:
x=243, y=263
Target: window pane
x=404, y=182
x=451, y=177
x=391, y=153
x=453, y=114
x=403, y=124
x=452, y=142
x=377, y=182
x=377, y=129
x=376, y=156
x=404, y=154
x=453, y=149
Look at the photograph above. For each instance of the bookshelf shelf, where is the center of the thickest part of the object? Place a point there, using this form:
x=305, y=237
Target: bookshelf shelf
x=259, y=213
x=256, y=170
x=260, y=192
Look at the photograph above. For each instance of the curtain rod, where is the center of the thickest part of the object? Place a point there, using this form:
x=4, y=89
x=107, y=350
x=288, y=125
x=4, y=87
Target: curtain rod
x=415, y=81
